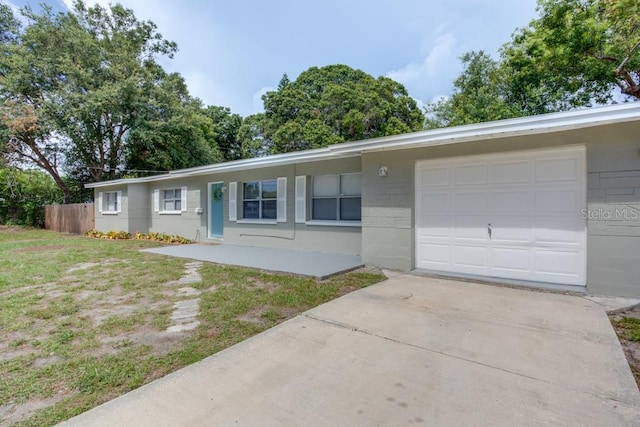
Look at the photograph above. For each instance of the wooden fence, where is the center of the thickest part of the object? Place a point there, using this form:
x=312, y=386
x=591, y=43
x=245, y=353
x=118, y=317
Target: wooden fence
x=74, y=219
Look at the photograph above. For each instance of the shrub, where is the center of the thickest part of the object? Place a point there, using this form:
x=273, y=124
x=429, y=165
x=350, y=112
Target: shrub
x=23, y=195
x=123, y=235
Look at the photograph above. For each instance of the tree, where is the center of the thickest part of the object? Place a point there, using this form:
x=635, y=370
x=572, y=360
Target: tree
x=479, y=95
x=576, y=53
x=225, y=131
x=174, y=132
x=251, y=137
x=331, y=104
x=74, y=85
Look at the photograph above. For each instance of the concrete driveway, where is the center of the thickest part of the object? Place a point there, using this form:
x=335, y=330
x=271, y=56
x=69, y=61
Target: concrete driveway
x=411, y=350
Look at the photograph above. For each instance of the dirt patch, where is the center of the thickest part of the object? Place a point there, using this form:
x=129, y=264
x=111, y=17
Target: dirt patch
x=42, y=362
x=161, y=342
x=8, y=355
x=13, y=413
x=258, y=284
x=630, y=346
x=262, y=315
x=43, y=248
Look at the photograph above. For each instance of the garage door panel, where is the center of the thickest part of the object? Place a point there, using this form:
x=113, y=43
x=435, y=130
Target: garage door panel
x=510, y=259
x=533, y=201
x=435, y=203
x=513, y=172
x=558, y=230
x=470, y=202
x=557, y=262
x=436, y=226
x=435, y=177
x=470, y=174
x=511, y=229
x=511, y=201
x=470, y=256
x=557, y=201
x=435, y=253
x=470, y=228
x=558, y=169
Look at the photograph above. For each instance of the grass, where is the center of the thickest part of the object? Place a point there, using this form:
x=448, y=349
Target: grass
x=628, y=328
x=83, y=320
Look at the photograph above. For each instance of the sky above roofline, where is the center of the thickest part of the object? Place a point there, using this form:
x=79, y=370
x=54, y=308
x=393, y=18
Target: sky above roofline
x=231, y=53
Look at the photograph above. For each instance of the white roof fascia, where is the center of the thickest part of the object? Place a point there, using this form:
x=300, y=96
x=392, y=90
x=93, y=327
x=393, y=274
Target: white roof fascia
x=530, y=125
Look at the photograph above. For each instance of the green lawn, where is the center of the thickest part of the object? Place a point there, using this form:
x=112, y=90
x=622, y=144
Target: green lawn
x=84, y=320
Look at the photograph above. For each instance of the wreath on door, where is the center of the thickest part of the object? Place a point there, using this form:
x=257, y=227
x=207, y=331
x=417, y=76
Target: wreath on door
x=217, y=193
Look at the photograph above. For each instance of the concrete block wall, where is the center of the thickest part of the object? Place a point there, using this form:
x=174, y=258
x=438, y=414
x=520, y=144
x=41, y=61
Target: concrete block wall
x=387, y=211
x=613, y=198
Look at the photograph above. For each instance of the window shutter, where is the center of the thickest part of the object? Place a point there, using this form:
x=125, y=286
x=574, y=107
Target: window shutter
x=119, y=202
x=233, y=204
x=100, y=202
x=156, y=200
x=301, y=199
x=183, y=202
x=282, y=200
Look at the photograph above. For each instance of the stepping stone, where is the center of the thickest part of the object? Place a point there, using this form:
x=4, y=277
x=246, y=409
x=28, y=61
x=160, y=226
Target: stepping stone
x=187, y=292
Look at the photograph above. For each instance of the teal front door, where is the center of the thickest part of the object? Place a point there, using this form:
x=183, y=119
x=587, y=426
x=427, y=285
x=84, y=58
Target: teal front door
x=216, y=218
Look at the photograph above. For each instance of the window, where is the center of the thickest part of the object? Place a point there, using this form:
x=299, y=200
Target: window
x=110, y=201
x=260, y=199
x=172, y=200
x=336, y=197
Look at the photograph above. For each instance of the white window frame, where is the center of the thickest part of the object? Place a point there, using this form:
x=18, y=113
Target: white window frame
x=338, y=197
x=103, y=202
x=280, y=202
x=159, y=200
x=175, y=199
x=260, y=201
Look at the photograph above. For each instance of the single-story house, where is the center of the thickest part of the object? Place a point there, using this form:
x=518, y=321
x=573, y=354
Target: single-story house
x=551, y=199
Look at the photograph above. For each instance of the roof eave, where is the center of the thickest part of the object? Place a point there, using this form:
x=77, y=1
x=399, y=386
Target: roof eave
x=531, y=125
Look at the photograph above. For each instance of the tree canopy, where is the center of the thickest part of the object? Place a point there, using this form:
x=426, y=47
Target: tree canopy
x=577, y=53
x=83, y=92
x=329, y=105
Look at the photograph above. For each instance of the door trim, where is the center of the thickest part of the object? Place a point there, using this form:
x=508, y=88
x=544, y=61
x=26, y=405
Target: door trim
x=209, y=216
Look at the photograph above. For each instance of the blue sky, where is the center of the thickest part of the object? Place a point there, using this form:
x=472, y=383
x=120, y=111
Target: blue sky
x=231, y=52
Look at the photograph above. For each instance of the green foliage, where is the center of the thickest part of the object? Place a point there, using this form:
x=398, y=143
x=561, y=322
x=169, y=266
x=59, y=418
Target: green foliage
x=23, y=195
x=174, y=133
x=577, y=53
x=628, y=328
x=224, y=132
x=479, y=95
x=84, y=91
x=329, y=105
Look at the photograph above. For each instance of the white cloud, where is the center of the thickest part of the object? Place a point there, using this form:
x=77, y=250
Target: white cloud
x=434, y=73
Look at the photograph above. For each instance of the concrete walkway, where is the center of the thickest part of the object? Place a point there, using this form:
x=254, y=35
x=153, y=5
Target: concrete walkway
x=316, y=264
x=411, y=350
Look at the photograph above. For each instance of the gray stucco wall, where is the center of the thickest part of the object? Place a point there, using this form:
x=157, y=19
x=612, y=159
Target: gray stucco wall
x=287, y=234
x=613, y=165
x=189, y=224
x=138, y=207
x=112, y=221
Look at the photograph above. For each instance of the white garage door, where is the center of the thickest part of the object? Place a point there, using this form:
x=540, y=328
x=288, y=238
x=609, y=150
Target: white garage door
x=516, y=216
